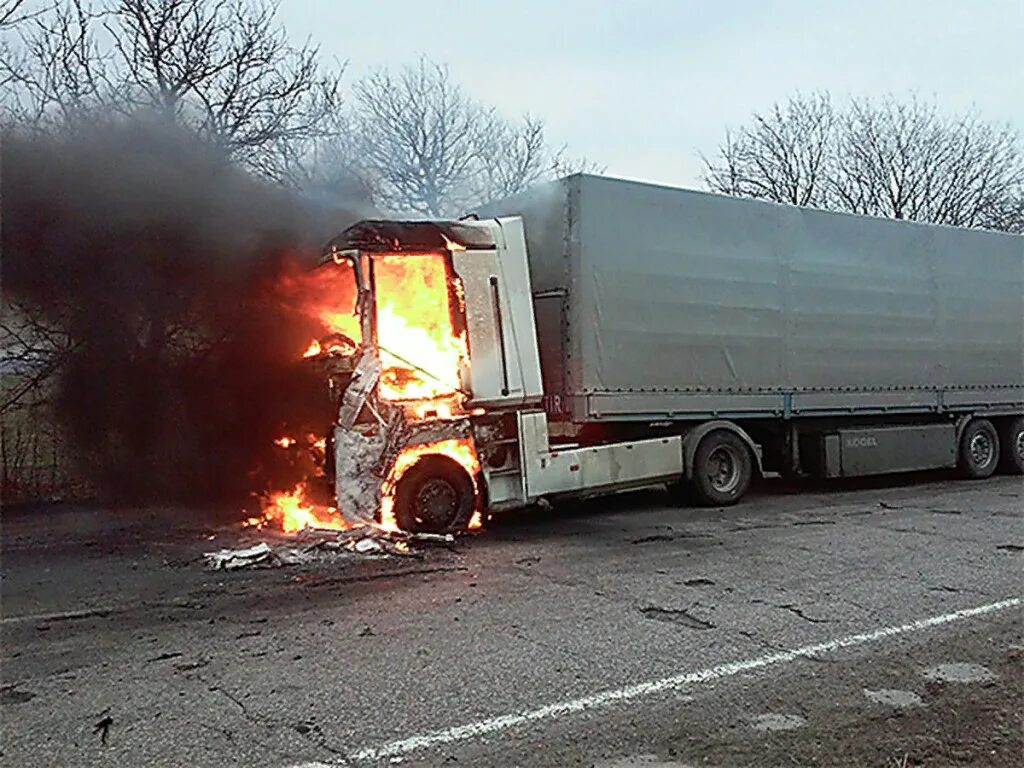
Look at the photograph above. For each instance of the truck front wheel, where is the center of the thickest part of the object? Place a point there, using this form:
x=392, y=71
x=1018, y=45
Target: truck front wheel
x=1011, y=446
x=979, y=450
x=722, y=469
x=435, y=495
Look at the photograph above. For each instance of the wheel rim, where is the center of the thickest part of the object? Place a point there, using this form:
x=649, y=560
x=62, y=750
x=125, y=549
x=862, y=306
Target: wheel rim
x=436, y=504
x=1019, y=445
x=982, y=449
x=723, y=469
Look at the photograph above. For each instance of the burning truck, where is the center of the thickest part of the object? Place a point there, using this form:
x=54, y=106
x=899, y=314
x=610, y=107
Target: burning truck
x=596, y=335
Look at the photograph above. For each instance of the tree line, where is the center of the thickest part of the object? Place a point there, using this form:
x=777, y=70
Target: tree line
x=882, y=157
x=410, y=139
x=407, y=138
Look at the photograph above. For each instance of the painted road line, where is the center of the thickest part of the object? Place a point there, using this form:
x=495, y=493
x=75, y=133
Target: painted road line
x=629, y=693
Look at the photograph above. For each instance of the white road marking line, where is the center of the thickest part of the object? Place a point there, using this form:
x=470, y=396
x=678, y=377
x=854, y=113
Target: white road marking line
x=641, y=690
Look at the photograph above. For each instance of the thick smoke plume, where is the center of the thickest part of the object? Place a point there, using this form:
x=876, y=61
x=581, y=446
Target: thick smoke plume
x=161, y=261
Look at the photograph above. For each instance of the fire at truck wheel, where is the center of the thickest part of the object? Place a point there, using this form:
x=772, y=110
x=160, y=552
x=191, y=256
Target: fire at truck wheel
x=435, y=495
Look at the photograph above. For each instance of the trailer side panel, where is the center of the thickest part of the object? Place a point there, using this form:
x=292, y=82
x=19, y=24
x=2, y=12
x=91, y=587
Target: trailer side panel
x=682, y=304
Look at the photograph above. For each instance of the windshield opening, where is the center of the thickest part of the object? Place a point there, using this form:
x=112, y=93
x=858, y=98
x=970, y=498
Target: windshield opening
x=421, y=350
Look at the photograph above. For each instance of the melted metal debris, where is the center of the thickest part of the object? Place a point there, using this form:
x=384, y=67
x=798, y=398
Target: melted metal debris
x=316, y=544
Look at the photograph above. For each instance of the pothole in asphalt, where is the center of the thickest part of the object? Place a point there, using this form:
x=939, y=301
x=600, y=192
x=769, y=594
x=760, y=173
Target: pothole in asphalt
x=892, y=697
x=10, y=695
x=776, y=722
x=959, y=672
x=679, y=616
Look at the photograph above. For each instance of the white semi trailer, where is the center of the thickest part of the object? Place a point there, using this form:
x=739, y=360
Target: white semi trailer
x=617, y=335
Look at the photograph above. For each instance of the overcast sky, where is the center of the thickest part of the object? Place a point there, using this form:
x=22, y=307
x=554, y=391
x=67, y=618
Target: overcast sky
x=644, y=86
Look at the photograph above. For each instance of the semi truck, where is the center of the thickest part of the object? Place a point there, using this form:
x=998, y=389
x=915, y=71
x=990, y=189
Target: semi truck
x=594, y=335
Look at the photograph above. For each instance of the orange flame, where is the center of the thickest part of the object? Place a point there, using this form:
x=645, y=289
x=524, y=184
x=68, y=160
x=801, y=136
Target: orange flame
x=420, y=352
x=459, y=449
x=451, y=245
x=292, y=511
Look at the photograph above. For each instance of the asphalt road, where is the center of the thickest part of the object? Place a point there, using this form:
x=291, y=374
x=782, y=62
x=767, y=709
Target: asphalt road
x=866, y=624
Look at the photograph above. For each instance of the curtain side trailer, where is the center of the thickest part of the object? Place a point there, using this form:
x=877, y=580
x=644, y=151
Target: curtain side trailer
x=621, y=334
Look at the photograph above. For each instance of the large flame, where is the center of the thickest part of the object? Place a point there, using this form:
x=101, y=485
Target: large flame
x=292, y=511
x=422, y=356
x=420, y=352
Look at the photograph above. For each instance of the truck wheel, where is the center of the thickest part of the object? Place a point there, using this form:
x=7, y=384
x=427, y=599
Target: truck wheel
x=979, y=450
x=435, y=495
x=1011, y=446
x=722, y=469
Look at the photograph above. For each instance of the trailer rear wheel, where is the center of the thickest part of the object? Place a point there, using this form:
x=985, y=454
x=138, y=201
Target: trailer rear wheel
x=1011, y=446
x=722, y=469
x=979, y=450
x=435, y=495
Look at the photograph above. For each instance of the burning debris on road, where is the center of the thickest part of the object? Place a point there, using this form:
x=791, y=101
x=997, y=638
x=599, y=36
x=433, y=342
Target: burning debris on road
x=313, y=545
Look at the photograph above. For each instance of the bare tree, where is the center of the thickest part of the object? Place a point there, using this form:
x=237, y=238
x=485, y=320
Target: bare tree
x=903, y=160
x=908, y=161
x=420, y=136
x=52, y=76
x=12, y=13
x=782, y=156
x=32, y=349
x=1007, y=216
x=512, y=156
x=329, y=168
x=429, y=148
x=223, y=68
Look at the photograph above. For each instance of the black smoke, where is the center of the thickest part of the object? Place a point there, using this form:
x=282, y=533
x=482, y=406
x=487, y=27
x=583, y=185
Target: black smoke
x=160, y=259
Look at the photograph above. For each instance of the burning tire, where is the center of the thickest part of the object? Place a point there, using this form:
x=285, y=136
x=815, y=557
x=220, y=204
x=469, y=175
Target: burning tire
x=435, y=495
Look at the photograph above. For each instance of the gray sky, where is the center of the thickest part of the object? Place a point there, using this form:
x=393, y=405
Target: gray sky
x=644, y=86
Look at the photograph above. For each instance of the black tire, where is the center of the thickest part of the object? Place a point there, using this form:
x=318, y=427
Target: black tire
x=722, y=469
x=435, y=495
x=979, y=450
x=1011, y=446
